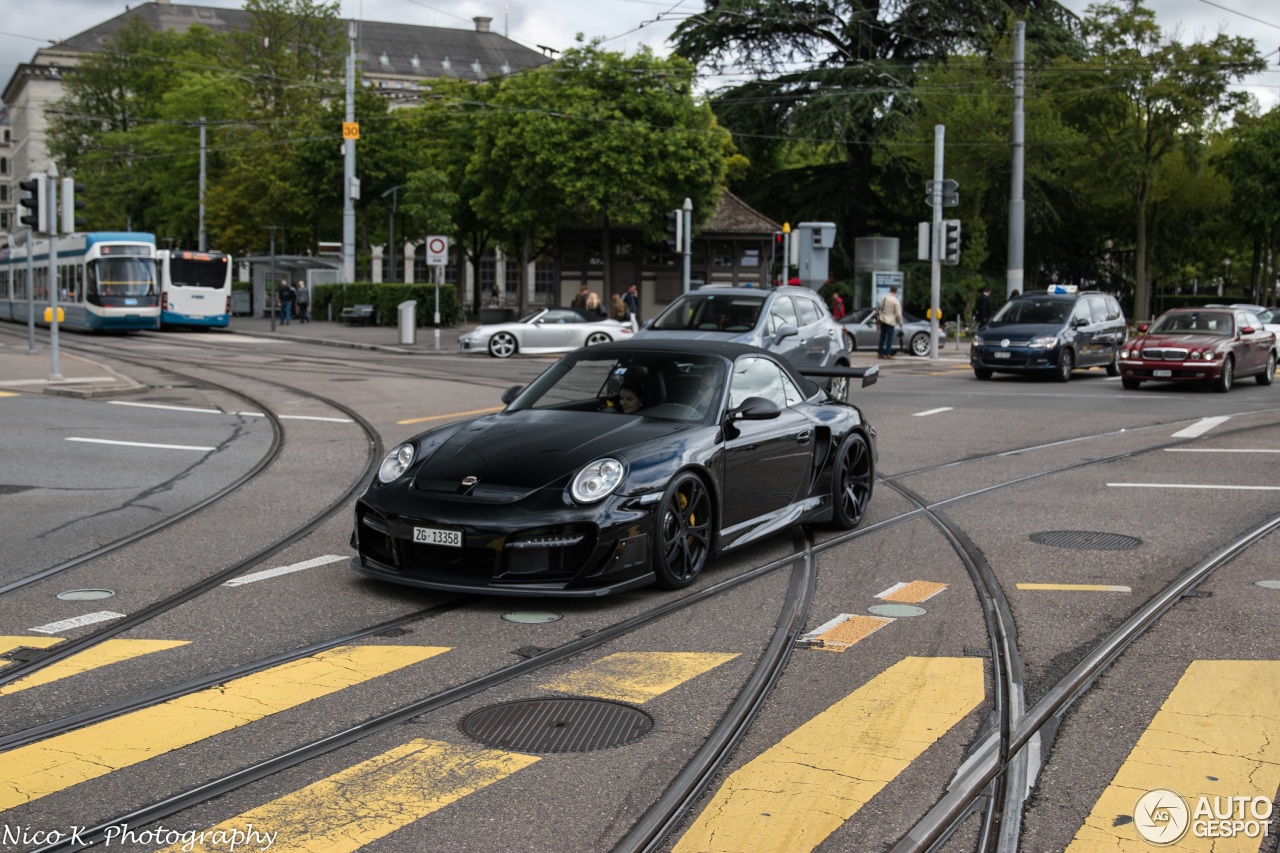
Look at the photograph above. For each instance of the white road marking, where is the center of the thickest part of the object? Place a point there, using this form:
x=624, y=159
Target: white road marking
x=142, y=444
x=78, y=622
x=891, y=590
x=932, y=412
x=1192, y=486
x=169, y=408
x=283, y=570
x=1201, y=426
x=1220, y=450
x=220, y=412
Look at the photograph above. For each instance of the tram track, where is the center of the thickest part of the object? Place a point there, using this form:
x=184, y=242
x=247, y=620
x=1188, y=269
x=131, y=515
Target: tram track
x=1001, y=775
x=62, y=651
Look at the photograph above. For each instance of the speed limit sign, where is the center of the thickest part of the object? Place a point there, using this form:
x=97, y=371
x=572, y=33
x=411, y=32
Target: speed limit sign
x=437, y=251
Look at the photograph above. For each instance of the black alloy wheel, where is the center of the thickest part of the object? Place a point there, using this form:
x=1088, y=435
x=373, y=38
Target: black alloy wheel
x=1113, y=366
x=1066, y=364
x=852, y=482
x=684, y=532
x=1226, y=376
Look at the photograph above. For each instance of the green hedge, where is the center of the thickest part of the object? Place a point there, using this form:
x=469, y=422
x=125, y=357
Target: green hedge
x=386, y=299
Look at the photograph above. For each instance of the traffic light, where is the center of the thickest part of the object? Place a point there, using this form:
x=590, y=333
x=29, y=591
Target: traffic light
x=70, y=204
x=951, y=241
x=674, y=230
x=36, y=187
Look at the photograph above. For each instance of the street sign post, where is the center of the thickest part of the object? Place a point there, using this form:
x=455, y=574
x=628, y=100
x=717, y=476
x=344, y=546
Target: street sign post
x=438, y=257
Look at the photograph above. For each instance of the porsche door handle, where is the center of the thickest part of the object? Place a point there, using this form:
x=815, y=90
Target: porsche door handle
x=803, y=438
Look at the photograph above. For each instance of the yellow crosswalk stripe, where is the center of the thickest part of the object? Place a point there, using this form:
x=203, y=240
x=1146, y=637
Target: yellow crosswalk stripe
x=36, y=770
x=912, y=593
x=11, y=643
x=104, y=654
x=801, y=790
x=365, y=802
x=637, y=676
x=844, y=631
x=1217, y=735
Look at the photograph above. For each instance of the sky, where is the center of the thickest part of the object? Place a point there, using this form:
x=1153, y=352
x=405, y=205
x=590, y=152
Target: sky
x=623, y=25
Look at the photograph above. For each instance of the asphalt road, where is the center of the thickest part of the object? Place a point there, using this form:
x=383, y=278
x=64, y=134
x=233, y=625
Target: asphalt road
x=1007, y=460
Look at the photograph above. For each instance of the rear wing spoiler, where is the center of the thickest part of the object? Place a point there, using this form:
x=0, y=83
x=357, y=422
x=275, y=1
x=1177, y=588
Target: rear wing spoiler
x=868, y=375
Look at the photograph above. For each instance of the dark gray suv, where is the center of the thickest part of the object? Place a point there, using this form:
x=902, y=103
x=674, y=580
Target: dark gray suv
x=1051, y=333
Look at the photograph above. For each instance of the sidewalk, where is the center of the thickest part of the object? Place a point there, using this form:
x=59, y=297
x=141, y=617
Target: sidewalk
x=82, y=377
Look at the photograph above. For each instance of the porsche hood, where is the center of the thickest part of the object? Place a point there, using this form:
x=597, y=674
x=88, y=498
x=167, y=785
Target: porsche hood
x=509, y=454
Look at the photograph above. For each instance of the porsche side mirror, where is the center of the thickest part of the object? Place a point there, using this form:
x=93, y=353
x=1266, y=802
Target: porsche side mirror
x=509, y=395
x=786, y=330
x=755, y=409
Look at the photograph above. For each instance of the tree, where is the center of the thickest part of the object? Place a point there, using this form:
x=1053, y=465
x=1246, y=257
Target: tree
x=600, y=139
x=1252, y=166
x=1143, y=99
x=838, y=71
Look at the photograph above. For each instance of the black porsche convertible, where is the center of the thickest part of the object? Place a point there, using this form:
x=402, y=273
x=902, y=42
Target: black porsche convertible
x=622, y=465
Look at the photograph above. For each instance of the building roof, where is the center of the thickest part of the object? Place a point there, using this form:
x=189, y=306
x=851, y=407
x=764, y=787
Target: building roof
x=735, y=216
x=384, y=50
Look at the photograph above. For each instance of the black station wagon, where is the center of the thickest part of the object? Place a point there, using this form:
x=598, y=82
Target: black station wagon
x=1051, y=333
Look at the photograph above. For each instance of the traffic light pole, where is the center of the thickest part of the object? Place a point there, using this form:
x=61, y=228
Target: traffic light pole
x=687, y=225
x=935, y=279
x=55, y=373
x=31, y=292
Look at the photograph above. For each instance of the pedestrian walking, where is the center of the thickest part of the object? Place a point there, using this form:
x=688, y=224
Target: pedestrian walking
x=619, y=307
x=982, y=313
x=286, y=296
x=632, y=300
x=594, y=305
x=889, y=316
x=302, y=297
x=837, y=307
x=580, y=301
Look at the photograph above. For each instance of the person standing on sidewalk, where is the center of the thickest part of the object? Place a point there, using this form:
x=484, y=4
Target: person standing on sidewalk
x=632, y=300
x=286, y=297
x=889, y=315
x=303, y=298
x=982, y=313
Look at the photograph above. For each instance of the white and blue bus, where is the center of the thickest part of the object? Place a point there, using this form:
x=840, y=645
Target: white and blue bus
x=106, y=281
x=195, y=288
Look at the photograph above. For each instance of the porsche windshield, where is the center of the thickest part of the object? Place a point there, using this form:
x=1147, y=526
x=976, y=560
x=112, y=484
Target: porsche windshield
x=663, y=386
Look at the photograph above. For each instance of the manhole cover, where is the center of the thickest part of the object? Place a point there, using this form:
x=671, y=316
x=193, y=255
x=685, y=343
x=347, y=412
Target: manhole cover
x=85, y=594
x=896, y=611
x=557, y=725
x=1086, y=540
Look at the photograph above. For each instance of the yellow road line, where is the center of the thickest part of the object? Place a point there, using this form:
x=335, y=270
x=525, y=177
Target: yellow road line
x=104, y=654
x=1218, y=734
x=453, y=415
x=8, y=393
x=637, y=676
x=801, y=790
x=844, y=631
x=36, y=770
x=1074, y=587
x=912, y=593
x=9, y=643
x=370, y=800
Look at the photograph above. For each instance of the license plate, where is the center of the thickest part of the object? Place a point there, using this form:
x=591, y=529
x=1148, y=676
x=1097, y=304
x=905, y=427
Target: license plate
x=436, y=536
x=1159, y=374
x=1002, y=355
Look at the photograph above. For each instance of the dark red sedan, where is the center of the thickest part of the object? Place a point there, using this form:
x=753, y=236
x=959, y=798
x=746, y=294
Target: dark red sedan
x=1212, y=345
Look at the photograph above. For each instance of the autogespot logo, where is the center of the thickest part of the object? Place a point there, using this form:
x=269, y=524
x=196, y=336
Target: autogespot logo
x=1161, y=816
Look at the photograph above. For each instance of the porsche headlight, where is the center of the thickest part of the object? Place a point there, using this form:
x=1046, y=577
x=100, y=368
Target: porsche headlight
x=597, y=480
x=396, y=463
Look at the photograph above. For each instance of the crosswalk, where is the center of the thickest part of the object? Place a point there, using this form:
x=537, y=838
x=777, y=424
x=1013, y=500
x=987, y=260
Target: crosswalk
x=790, y=797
